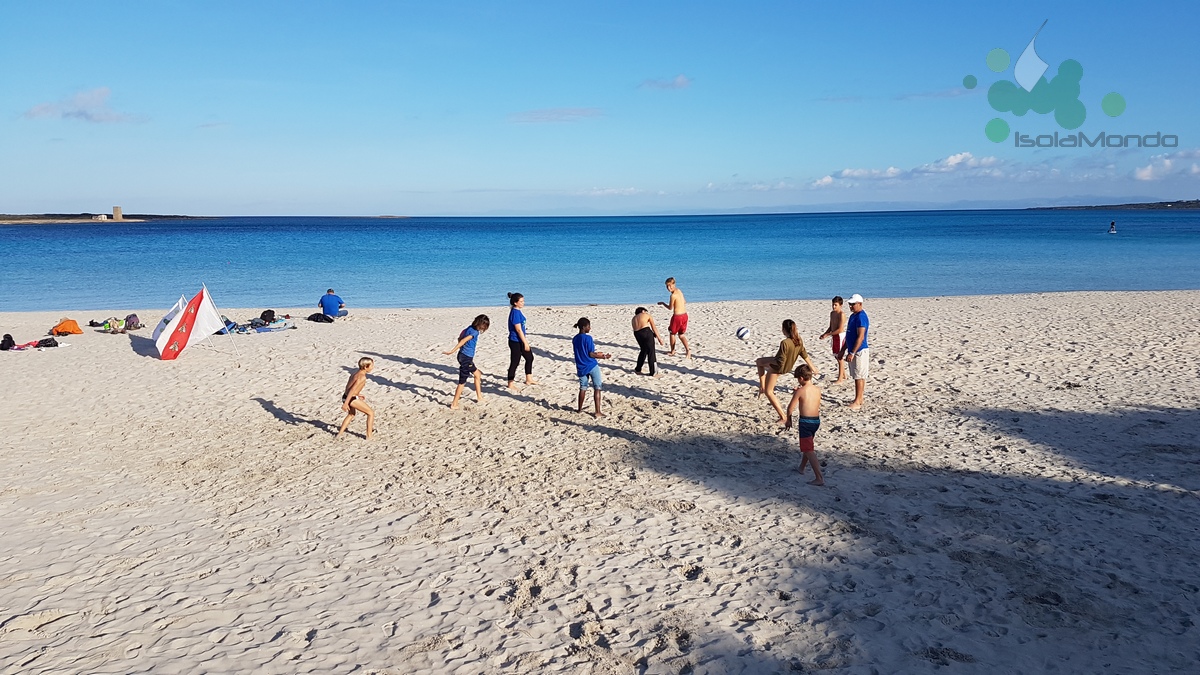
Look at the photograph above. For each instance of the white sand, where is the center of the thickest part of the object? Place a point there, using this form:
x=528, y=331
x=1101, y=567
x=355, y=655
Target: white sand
x=1019, y=495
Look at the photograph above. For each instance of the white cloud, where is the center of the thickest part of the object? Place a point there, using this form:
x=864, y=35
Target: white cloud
x=961, y=163
x=1168, y=164
x=613, y=192
x=87, y=106
x=678, y=82
x=554, y=115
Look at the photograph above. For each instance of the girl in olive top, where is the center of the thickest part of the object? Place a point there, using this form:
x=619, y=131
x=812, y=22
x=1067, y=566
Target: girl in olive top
x=771, y=367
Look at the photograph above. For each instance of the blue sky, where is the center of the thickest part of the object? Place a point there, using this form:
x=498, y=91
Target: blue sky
x=461, y=108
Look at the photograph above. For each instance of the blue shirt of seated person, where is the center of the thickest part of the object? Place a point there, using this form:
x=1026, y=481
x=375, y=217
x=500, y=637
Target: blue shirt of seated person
x=331, y=305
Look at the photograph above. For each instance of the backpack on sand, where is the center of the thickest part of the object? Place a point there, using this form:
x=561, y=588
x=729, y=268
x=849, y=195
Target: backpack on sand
x=320, y=318
x=7, y=343
x=268, y=316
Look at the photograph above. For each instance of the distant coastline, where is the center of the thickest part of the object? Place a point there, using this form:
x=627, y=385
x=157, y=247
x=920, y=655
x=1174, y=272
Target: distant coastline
x=78, y=218
x=1145, y=206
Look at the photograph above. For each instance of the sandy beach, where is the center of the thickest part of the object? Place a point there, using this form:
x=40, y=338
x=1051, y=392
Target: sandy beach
x=1020, y=494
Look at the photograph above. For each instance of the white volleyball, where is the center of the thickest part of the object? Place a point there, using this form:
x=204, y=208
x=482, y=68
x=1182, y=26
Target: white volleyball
x=742, y=333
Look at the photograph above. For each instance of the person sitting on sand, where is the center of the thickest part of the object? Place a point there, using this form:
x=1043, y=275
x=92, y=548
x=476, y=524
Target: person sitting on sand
x=837, y=334
x=808, y=398
x=353, y=400
x=468, y=339
x=771, y=367
x=679, y=317
x=331, y=305
x=587, y=367
x=645, y=332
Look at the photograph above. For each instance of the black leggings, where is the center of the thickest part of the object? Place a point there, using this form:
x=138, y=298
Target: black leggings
x=515, y=352
x=645, y=340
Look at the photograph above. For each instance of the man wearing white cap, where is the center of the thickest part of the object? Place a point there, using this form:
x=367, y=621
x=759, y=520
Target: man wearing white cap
x=854, y=349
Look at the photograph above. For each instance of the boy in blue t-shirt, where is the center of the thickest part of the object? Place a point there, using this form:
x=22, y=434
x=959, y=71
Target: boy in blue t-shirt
x=586, y=365
x=331, y=305
x=467, y=341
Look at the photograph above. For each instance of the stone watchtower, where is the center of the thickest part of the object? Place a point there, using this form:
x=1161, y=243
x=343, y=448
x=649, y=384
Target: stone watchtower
x=117, y=213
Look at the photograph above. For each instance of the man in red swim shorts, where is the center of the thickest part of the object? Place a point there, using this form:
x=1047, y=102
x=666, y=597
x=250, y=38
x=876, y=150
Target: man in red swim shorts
x=679, y=317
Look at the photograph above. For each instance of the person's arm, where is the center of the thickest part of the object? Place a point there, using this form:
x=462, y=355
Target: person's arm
x=600, y=355
x=465, y=339
x=858, y=340
x=833, y=326
x=521, y=334
x=792, y=406
x=353, y=388
x=654, y=328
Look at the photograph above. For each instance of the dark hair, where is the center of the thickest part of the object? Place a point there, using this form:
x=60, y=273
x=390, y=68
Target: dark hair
x=804, y=372
x=329, y=291
x=583, y=324
x=789, y=329
x=838, y=299
x=670, y=280
x=639, y=310
x=481, y=322
x=514, y=298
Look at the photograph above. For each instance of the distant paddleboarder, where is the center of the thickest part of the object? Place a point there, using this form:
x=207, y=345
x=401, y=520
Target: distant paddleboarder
x=1112, y=227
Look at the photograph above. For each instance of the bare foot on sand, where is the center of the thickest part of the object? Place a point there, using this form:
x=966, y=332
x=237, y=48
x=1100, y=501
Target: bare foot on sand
x=599, y=415
x=529, y=381
x=816, y=482
x=855, y=406
x=454, y=406
x=840, y=380
x=656, y=375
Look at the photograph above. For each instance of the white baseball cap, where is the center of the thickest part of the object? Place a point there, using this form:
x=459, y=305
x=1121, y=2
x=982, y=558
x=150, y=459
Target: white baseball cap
x=856, y=298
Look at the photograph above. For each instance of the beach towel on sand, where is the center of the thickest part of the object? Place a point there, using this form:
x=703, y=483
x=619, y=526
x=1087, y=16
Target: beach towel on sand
x=66, y=327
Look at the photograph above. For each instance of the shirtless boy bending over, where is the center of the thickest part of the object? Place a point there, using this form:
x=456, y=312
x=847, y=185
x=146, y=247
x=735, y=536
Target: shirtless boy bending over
x=679, y=318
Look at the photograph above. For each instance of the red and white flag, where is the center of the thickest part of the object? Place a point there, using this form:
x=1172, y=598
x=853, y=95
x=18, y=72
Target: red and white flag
x=178, y=307
x=198, y=320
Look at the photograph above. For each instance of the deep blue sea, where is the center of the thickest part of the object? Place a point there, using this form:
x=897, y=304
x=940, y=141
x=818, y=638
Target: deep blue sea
x=424, y=262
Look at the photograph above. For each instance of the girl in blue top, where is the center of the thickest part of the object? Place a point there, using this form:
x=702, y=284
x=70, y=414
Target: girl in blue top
x=518, y=341
x=586, y=365
x=467, y=341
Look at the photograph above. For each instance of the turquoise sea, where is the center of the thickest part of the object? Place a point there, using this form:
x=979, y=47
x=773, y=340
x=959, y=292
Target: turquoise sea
x=423, y=262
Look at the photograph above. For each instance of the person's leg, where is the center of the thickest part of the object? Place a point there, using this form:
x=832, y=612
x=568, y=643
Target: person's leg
x=763, y=364
x=772, y=378
x=346, y=422
x=651, y=357
x=478, y=385
x=457, y=393
x=582, y=396
x=343, y=312
x=514, y=358
x=841, y=372
x=672, y=352
x=803, y=461
x=859, y=387
x=528, y=354
x=811, y=458
x=361, y=406
x=641, y=359
x=598, y=384
x=687, y=349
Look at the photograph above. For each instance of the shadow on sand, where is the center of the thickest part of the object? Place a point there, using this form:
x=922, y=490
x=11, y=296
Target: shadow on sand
x=1095, y=572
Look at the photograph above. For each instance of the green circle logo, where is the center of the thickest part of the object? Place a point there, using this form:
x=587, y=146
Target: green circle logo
x=970, y=82
x=998, y=60
x=1112, y=104
x=997, y=130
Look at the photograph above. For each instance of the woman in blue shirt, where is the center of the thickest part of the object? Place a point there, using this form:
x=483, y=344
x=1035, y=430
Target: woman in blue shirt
x=518, y=341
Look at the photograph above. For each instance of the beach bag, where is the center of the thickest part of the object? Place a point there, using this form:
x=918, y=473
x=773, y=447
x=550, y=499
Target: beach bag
x=320, y=318
x=132, y=322
x=47, y=342
x=66, y=327
x=7, y=343
x=268, y=316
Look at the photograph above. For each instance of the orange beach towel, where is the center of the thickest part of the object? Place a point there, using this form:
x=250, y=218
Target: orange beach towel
x=66, y=327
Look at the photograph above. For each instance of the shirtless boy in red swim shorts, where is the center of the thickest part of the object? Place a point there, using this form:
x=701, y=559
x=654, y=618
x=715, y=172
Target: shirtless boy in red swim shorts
x=679, y=318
